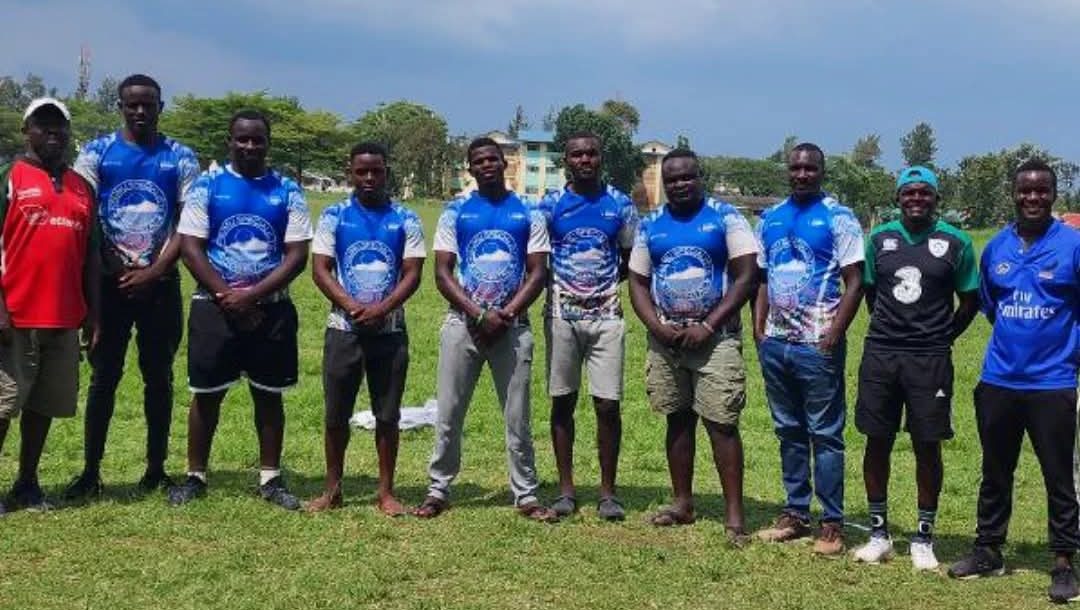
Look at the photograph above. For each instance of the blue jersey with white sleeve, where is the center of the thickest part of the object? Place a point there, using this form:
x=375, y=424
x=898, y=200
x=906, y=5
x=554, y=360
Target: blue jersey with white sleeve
x=1031, y=294
x=491, y=240
x=686, y=257
x=587, y=235
x=139, y=190
x=246, y=222
x=368, y=245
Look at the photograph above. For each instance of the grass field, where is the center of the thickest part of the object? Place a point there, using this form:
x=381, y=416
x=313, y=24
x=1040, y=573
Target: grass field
x=233, y=550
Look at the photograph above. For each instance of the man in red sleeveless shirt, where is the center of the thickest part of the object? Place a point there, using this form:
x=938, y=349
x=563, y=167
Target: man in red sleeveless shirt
x=48, y=289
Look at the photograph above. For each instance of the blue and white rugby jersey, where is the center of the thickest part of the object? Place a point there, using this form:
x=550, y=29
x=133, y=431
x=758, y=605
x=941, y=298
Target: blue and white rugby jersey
x=138, y=194
x=587, y=235
x=491, y=240
x=686, y=257
x=368, y=245
x=246, y=222
x=803, y=248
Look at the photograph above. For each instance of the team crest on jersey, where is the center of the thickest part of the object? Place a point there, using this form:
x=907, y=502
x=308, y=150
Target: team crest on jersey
x=34, y=214
x=1002, y=268
x=587, y=251
x=492, y=266
x=245, y=243
x=889, y=244
x=791, y=266
x=134, y=212
x=367, y=272
x=938, y=247
x=909, y=290
x=684, y=279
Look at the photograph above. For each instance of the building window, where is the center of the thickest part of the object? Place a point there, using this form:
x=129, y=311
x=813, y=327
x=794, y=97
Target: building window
x=532, y=147
x=531, y=190
x=533, y=169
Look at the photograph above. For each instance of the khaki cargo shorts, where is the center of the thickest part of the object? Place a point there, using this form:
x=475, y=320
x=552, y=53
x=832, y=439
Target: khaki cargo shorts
x=710, y=381
x=39, y=371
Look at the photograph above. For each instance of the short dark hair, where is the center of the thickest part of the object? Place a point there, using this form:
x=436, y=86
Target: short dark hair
x=138, y=80
x=809, y=147
x=249, y=114
x=681, y=153
x=583, y=135
x=1035, y=164
x=369, y=148
x=481, y=142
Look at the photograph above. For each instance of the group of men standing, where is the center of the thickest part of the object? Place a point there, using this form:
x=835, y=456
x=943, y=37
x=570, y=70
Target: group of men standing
x=135, y=203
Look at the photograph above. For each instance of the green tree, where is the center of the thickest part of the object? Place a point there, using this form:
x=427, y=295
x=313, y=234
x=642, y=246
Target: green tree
x=519, y=123
x=919, y=146
x=622, y=160
x=759, y=177
x=89, y=121
x=980, y=189
x=867, y=151
x=416, y=136
x=624, y=112
x=781, y=155
x=868, y=191
x=681, y=141
x=106, y=96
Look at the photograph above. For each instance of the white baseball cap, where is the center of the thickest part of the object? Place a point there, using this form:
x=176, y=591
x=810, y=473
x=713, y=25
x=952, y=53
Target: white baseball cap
x=41, y=102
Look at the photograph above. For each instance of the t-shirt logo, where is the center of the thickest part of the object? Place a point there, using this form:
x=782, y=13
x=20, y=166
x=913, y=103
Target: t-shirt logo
x=938, y=247
x=134, y=212
x=34, y=214
x=890, y=245
x=245, y=243
x=491, y=266
x=684, y=279
x=587, y=250
x=909, y=290
x=368, y=268
x=791, y=265
x=1002, y=268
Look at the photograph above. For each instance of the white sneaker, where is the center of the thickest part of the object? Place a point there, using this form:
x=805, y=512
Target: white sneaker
x=876, y=550
x=922, y=556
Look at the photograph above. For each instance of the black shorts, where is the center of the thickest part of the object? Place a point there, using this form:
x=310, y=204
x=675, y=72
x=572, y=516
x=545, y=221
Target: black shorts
x=221, y=350
x=890, y=380
x=347, y=357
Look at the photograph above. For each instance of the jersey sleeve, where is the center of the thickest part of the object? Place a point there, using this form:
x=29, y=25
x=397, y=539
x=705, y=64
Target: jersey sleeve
x=986, y=298
x=740, y=237
x=299, y=225
x=849, y=245
x=194, y=219
x=414, y=236
x=870, y=268
x=446, y=230
x=325, y=240
x=759, y=234
x=88, y=162
x=539, y=240
x=640, y=261
x=628, y=231
x=187, y=166
x=967, y=271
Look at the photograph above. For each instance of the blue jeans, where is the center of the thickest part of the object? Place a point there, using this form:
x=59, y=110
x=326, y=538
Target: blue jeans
x=805, y=388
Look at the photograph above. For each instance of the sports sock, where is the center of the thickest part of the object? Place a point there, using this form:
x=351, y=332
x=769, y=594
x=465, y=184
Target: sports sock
x=924, y=532
x=879, y=517
x=198, y=474
x=268, y=474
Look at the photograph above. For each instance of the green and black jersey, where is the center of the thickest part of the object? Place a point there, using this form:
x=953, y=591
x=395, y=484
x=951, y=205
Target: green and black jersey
x=915, y=278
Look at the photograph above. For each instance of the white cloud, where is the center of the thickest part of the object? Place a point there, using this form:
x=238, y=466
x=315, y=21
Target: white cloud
x=592, y=254
x=251, y=246
x=690, y=273
x=374, y=266
x=144, y=207
x=498, y=256
x=792, y=266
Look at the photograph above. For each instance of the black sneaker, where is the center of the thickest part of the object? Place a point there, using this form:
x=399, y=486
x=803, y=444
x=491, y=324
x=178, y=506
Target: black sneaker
x=192, y=487
x=1063, y=587
x=275, y=492
x=153, y=480
x=86, y=485
x=28, y=495
x=983, y=561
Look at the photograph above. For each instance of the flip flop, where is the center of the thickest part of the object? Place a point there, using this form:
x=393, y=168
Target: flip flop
x=668, y=516
x=610, y=509
x=430, y=508
x=536, y=511
x=564, y=506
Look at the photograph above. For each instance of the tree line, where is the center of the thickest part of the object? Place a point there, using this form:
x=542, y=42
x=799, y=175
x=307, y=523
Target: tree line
x=425, y=156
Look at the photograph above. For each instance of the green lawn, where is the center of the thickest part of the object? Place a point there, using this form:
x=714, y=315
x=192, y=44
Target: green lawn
x=235, y=551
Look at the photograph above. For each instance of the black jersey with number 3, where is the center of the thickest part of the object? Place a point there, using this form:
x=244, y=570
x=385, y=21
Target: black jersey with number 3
x=915, y=278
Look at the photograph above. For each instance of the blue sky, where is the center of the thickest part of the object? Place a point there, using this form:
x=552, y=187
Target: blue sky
x=735, y=76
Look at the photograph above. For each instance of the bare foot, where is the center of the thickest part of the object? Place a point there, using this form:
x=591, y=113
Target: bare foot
x=390, y=506
x=327, y=501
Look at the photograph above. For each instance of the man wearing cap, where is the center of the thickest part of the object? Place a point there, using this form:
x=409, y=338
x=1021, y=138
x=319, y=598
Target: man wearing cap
x=914, y=267
x=49, y=286
x=1030, y=294
x=139, y=176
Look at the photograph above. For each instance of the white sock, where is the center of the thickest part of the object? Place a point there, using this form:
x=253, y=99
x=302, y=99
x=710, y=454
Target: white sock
x=198, y=474
x=268, y=474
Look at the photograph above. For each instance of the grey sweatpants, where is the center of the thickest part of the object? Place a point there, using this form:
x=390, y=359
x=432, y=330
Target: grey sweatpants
x=460, y=363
